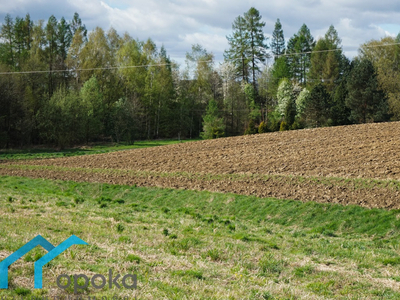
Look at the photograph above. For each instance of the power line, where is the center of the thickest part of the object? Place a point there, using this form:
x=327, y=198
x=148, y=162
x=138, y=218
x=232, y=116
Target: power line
x=169, y=64
x=86, y=69
x=331, y=50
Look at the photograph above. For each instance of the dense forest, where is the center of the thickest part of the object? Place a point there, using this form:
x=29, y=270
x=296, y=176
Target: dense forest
x=63, y=86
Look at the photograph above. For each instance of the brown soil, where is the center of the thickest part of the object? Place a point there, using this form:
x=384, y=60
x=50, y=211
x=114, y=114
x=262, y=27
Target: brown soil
x=348, y=164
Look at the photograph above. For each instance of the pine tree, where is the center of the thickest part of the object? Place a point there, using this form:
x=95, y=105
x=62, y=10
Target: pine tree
x=326, y=60
x=51, y=50
x=299, y=47
x=247, y=45
x=238, y=51
x=213, y=125
x=317, y=107
x=366, y=101
x=7, y=34
x=76, y=24
x=257, y=41
x=278, y=41
x=280, y=70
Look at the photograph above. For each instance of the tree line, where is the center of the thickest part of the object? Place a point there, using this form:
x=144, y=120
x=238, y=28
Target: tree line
x=63, y=86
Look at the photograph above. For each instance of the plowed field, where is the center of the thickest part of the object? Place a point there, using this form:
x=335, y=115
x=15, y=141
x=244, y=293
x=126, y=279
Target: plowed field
x=357, y=164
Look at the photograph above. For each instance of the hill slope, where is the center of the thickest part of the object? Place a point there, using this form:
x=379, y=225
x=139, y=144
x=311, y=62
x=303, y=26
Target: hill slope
x=357, y=164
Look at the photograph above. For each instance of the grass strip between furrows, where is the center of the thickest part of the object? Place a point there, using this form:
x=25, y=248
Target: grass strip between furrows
x=19, y=154
x=371, y=193
x=198, y=244
x=356, y=183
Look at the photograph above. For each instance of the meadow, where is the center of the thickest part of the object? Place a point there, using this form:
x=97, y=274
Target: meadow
x=199, y=245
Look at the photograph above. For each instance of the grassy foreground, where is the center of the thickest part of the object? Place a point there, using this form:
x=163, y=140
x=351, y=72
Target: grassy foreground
x=199, y=245
x=97, y=149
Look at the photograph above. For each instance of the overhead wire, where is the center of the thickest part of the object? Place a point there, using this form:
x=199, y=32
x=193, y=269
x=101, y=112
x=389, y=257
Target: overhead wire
x=169, y=64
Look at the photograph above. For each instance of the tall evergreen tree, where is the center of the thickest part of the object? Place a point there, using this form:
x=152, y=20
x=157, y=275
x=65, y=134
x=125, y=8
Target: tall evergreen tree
x=257, y=41
x=326, y=60
x=247, y=45
x=51, y=49
x=213, y=125
x=317, y=106
x=299, y=49
x=367, y=102
x=238, y=51
x=278, y=41
x=76, y=24
x=7, y=34
x=22, y=39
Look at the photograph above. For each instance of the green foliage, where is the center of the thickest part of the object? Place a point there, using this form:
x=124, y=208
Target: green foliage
x=299, y=64
x=251, y=128
x=262, y=128
x=284, y=126
x=88, y=103
x=317, y=107
x=274, y=121
x=123, y=120
x=280, y=70
x=365, y=100
x=385, y=57
x=278, y=40
x=92, y=108
x=213, y=126
x=61, y=120
x=247, y=44
x=326, y=64
x=340, y=113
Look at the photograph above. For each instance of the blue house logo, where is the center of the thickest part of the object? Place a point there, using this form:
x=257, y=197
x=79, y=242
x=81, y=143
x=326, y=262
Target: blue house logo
x=53, y=252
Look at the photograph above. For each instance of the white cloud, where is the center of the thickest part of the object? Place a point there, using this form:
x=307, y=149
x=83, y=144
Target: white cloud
x=180, y=23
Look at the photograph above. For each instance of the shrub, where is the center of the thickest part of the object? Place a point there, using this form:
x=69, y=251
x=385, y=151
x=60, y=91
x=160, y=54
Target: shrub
x=284, y=126
x=251, y=128
x=262, y=128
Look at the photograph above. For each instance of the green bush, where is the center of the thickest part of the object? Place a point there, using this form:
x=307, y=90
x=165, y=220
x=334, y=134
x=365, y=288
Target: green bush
x=284, y=126
x=251, y=128
x=274, y=121
x=262, y=128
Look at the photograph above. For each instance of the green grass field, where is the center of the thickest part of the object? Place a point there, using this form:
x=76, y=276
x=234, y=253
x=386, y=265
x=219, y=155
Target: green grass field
x=32, y=153
x=199, y=245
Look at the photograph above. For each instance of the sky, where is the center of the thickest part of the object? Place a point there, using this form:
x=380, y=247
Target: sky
x=178, y=24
